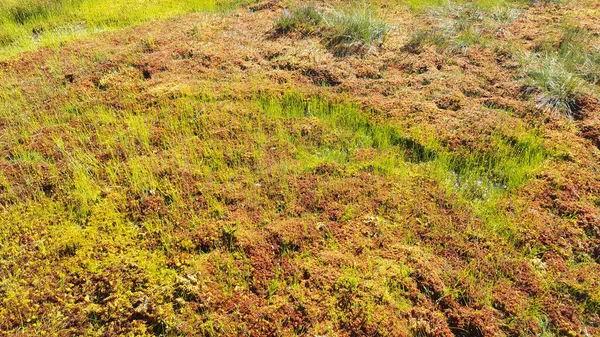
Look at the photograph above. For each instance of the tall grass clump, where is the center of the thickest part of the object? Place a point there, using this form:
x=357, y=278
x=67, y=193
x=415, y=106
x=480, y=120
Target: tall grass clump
x=562, y=75
x=354, y=31
x=457, y=26
x=305, y=19
x=580, y=53
x=343, y=31
x=558, y=88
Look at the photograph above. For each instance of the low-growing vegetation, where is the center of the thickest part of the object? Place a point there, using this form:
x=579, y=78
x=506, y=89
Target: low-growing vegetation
x=353, y=31
x=559, y=88
x=306, y=19
x=245, y=174
x=558, y=75
x=344, y=31
x=456, y=26
x=566, y=73
x=28, y=24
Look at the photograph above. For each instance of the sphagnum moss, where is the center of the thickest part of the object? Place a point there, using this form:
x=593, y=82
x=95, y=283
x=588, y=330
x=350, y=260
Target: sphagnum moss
x=197, y=201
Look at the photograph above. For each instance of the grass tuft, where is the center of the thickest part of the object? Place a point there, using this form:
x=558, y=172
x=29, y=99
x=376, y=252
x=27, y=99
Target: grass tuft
x=559, y=88
x=579, y=54
x=344, y=31
x=563, y=74
x=304, y=19
x=457, y=26
x=354, y=31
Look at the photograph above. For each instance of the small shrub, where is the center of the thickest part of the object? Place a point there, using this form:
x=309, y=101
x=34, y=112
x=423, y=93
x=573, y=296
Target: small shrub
x=354, y=31
x=304, y=19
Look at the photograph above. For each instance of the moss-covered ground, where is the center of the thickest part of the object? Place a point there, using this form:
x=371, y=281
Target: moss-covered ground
x=206, y=174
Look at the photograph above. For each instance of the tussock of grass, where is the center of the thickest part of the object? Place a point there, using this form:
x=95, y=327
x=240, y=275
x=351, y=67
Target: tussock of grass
x=344, y=31
x=354, y=31
x=563, y=75
x=305, y=19
x=457, y=26
x=559, y=87
x=580, y=54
